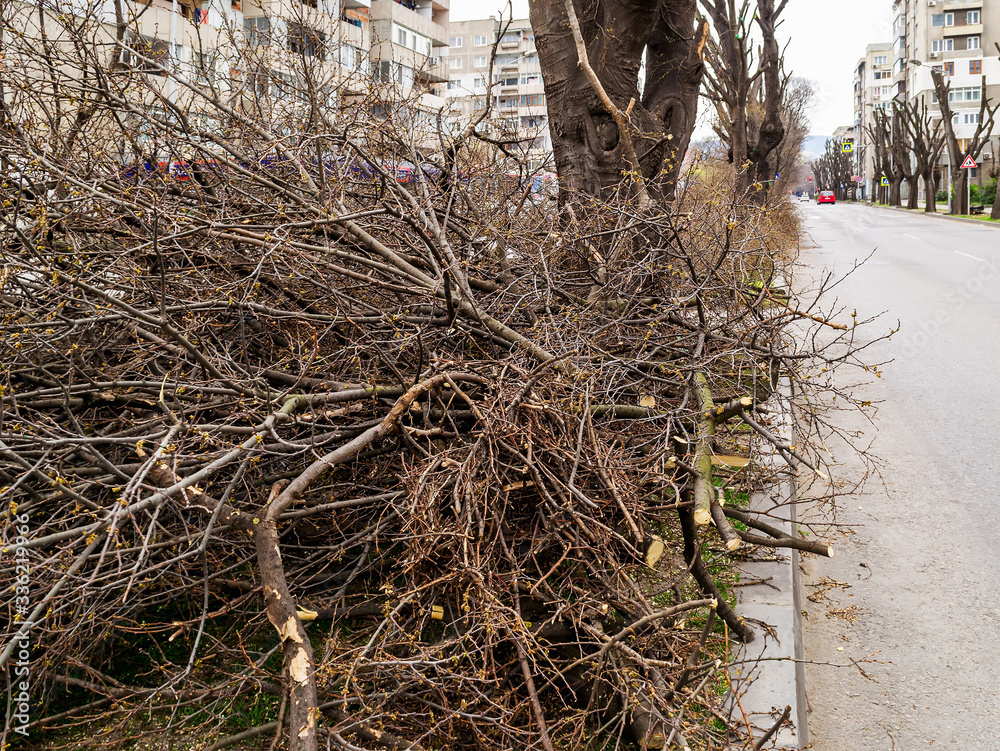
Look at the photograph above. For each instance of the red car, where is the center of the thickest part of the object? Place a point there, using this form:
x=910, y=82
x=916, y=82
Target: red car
x=827, y=196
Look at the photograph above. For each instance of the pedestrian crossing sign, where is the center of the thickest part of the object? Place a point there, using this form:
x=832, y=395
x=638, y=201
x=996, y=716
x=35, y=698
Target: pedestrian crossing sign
x=969, y=162
x=847, y=147
x=885, y=180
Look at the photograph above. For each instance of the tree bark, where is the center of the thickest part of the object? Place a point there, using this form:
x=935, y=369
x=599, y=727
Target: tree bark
x=587, y=144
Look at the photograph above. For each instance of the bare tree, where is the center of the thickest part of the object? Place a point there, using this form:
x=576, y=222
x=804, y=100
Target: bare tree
x=738, y=80
x=798, y=99
x=832, y=171
x=892, y=151
x=927, y=142
x=974, y=145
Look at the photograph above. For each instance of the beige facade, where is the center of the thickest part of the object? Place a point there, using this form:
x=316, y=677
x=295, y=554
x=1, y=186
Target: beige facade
x=874, y=89
x=409, y=42
x=513, y=86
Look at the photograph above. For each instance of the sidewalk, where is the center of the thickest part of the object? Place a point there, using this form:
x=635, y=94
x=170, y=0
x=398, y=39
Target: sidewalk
x=772, y=675
x=939, y=214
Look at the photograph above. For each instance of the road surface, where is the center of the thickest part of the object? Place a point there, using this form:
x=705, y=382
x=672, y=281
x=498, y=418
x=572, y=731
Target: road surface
x=915, y=582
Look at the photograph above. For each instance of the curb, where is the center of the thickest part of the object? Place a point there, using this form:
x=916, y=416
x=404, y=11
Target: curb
x=767, y=686
x=937, y=215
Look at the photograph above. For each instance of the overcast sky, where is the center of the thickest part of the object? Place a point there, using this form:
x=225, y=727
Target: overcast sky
x=826, y=41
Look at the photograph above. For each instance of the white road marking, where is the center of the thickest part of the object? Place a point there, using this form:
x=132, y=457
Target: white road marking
x=910, y=236
x=974, y=258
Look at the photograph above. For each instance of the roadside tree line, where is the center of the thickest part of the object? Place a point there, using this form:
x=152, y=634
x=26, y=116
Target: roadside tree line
x=907, y=140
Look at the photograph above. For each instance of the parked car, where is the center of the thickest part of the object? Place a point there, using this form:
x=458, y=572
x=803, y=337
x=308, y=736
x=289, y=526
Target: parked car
x=827, y=196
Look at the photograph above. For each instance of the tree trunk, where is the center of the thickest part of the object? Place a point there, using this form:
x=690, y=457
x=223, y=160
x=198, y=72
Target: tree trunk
x=894, y=190
x=959, y=202
x=586, y=142
x=930, y=191
x=914, y=184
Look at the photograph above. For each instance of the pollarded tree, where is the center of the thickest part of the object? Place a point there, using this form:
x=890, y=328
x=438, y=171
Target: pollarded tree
x=974, y=145
x=924, y=133
x=892, y=155
x=590, y=53
x=740, y=81
x=833, y=169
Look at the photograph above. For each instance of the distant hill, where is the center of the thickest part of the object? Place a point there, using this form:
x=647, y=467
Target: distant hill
x=813, y=147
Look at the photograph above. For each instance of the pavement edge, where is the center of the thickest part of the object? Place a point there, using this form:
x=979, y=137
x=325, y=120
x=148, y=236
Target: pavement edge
x=776, y=674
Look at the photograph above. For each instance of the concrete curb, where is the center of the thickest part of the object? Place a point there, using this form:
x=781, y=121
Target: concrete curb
x=936, y=215
x=773, y=676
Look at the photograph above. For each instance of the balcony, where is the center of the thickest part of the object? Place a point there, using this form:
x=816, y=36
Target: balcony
x=969, y=29
x=420, y=16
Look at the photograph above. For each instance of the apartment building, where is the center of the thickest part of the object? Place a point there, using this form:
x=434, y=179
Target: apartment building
x=874, y=89
x=409, y=42
x=514, y=90
x=958, y=38
x=200, y=37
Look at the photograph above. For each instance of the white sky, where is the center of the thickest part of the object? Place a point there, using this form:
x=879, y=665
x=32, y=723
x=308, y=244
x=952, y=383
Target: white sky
x=827, y=40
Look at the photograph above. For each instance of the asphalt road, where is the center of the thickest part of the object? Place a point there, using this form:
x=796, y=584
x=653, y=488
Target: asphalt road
x=914, y=585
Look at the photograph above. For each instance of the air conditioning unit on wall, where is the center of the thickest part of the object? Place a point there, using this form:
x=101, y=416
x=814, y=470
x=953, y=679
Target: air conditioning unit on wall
x=932, y=55
x=987, y=155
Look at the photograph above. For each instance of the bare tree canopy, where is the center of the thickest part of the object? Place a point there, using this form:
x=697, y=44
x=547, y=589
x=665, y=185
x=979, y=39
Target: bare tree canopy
x=746, y=86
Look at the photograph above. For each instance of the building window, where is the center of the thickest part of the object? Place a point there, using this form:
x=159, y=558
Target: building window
x=975, y=66
x=155, y=50
x=974, y=173
x=452, y=84
x=455, y=42
x=204, y=68
x=972, y=16
x=507, y=38
x=965, y=94
x=480, y=40
x=257, y=30
x=943, y=45
x=880, y=60
x=480, y=62
x=532, y=100
x=303, y=40
x=971, y=118
x=455, y=63
x=937, y=19
x=972, y=43
x=531, y=78
x=477, y=83
x=401, y=36
x=479, y=104
x=949, y=69
x=949, y=19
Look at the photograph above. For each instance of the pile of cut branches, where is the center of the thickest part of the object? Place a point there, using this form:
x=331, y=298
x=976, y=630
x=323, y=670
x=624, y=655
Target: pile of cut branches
x=424, y=463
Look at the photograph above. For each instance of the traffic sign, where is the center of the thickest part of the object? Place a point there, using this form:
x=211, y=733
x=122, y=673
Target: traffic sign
x=857, y=179
x=847, y=147
x=885, y=180
x=969, y=162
